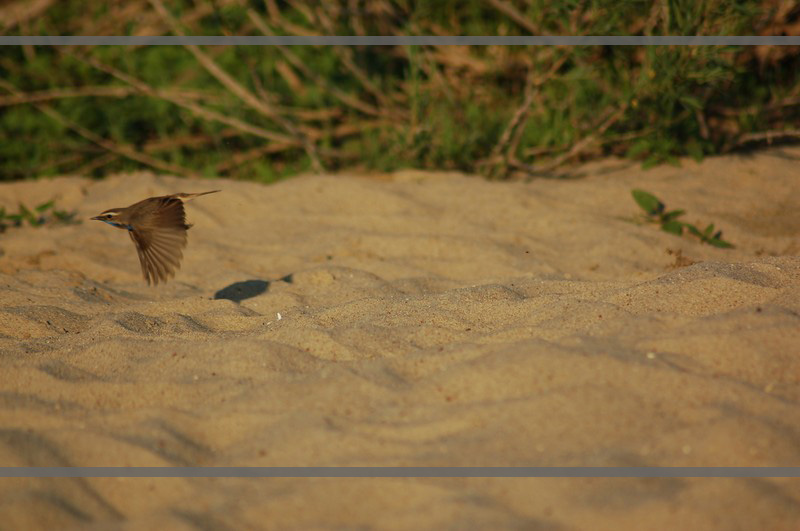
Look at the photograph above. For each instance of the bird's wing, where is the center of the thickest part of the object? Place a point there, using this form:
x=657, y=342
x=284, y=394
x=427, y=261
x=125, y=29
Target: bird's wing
x=160, y=239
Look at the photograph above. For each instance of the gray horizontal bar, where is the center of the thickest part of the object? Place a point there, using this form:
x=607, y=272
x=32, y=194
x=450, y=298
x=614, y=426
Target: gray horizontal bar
x=403, y=472
x=397, y=40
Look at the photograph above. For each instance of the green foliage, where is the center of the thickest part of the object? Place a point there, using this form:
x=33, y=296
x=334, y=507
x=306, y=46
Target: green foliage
x=655, y=212
x=46, y=213
x=383, y=106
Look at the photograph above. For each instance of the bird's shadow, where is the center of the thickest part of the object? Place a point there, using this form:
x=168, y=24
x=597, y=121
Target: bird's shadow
x=247, y=289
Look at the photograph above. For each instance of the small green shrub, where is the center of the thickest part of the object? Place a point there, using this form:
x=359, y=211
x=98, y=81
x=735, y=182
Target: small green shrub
x=656, y=212
x=46, y=213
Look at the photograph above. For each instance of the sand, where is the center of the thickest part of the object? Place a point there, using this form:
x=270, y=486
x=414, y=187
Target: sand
x=412, y=319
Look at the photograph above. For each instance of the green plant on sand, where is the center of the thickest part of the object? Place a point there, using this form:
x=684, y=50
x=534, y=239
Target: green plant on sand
x=656, y=212
x=36, y=217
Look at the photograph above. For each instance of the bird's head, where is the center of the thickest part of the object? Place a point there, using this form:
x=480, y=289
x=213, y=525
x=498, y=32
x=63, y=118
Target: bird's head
x=112, y=217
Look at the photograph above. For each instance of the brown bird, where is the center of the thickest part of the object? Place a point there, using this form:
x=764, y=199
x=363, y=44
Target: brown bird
x=158, y=228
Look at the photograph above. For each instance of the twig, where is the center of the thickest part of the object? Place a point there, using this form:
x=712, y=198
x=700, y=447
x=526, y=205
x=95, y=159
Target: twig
x=498, y=152
x=258, y=85
x=242, y=158
x=516, y=138
x=97, y=162
x=244, y=95
x=576, y=149
x=19, y=12
x=82, y=92
x=185, y=141
x=63, y=93
x=622, y=137
x=779, y=104
x=292, y=29
x=342, y=131
x=701, y=122
x=113, y=23
x=345, y=53
x=313, y=115
x=516, y=16
x=542, y=150
x=305, y=10
x=769, y=136
x=507, y=145
x=458, y=58
x=72, y=157
x=355, y=21
x=345, y=98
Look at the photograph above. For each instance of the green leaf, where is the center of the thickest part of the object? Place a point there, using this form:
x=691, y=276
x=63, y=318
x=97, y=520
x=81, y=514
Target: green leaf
x=26, y=214
x=65, y=217
x=673, y=214
x=717, y=241
x=694, y=230
x=709, y=231
x=45, y=206
x=673, y=227
x=648, y=202
x=720, y=243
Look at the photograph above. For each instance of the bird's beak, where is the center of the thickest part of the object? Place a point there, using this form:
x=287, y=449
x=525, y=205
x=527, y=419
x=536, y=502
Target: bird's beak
x=98, y=218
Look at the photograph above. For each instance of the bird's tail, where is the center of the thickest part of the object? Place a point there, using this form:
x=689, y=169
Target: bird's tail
x=189, y=197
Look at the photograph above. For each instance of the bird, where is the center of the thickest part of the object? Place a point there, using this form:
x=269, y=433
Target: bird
x=157, y=226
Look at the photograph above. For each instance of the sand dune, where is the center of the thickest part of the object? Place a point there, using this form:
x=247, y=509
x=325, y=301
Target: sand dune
x=409, y=320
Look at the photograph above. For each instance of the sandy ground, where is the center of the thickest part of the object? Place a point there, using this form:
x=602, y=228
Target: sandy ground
x=412, y=319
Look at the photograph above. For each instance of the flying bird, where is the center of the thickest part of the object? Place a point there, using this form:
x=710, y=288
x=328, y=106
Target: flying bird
x=157, y=226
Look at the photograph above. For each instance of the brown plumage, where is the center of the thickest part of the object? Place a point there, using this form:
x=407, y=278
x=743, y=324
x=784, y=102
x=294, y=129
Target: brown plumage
x=158, y=228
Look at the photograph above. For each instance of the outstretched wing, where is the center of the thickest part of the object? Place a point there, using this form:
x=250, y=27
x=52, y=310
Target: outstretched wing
x=160, y=238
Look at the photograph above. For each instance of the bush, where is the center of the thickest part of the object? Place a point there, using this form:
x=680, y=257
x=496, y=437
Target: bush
x=498, y=110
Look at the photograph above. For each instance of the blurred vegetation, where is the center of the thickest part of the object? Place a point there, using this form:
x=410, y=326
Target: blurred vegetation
x=264, y=112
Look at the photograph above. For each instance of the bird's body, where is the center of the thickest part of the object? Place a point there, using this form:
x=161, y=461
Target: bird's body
x=158, y=228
